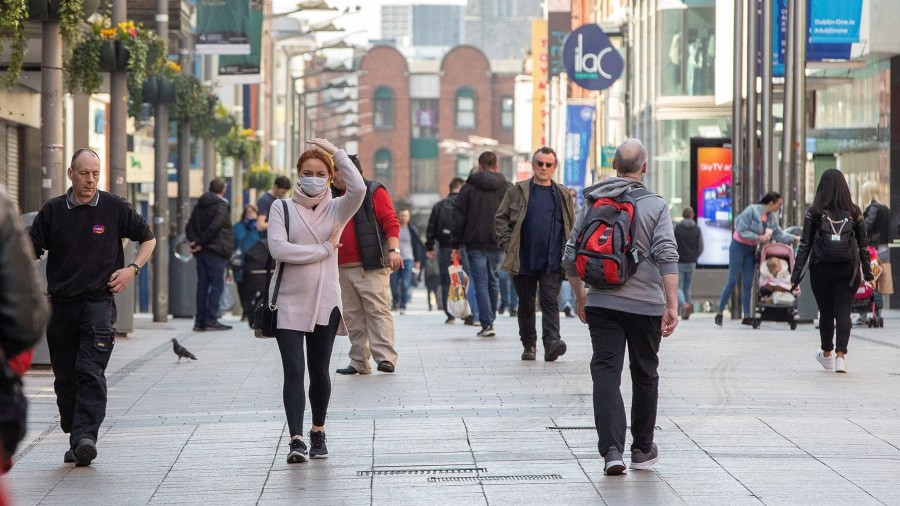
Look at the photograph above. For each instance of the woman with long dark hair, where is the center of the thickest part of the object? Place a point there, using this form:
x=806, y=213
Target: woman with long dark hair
x=757, y=224
x=835, y=243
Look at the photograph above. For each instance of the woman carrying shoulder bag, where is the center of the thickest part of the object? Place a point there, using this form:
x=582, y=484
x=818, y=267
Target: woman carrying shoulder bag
x=309, y=295
x=835, y=243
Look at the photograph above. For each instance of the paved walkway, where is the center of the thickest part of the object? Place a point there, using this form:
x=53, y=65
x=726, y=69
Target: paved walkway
x=745, y=417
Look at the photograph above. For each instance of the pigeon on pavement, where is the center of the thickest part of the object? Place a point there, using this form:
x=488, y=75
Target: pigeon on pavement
x=181, y=351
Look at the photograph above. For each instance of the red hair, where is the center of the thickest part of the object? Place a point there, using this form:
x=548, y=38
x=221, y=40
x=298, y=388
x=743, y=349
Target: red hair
x=317, y=154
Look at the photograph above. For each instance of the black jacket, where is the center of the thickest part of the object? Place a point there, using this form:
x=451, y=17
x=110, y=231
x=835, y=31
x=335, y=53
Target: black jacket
x=474, y=211
x=417, y=246
x=440, y=223
x=878, y=224
x=689, y=241
x=210, y=225
x=810, y=227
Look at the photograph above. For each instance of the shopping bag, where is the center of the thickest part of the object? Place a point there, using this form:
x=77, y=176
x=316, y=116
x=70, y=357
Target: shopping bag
x=457, y=305
x=886, y=281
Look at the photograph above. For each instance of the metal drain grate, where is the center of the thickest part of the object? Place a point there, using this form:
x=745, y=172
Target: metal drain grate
x=421, y=471
x=588, y=427
x=480, y=479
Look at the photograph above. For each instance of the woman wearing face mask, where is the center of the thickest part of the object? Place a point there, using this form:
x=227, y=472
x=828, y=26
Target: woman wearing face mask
x=309, y=295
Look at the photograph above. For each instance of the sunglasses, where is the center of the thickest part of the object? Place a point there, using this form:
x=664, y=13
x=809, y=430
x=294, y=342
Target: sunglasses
x=544, y=164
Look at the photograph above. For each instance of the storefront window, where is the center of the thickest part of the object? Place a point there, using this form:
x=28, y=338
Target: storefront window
x=688, y=56
x=384, y=168
x=671, y=164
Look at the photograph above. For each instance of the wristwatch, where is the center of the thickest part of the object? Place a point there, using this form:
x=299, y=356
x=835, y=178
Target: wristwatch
x=137, y=268
x=394, y=250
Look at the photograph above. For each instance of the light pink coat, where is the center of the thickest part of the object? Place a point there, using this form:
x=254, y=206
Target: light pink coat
x=309, y=285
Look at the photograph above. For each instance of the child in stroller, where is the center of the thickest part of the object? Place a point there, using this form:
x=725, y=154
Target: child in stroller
x=776, y=301
x=867, y=302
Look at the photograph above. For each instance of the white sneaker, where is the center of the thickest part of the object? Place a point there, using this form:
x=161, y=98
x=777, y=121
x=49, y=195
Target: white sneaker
x=840, y=365
x=827, y=362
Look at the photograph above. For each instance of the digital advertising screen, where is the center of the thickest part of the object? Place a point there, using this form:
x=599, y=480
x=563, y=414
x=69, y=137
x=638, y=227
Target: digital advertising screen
x=711, y=192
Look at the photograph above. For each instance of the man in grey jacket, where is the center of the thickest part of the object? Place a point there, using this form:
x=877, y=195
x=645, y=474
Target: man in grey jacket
x=638, y=313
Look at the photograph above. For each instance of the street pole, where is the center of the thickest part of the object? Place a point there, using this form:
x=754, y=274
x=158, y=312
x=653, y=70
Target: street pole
x=787, y=166
x=751, y=191
x=799, y=134
x=737, y=121
x=767, y=183
x=52, y=183
x=118, y=116
x=209, y=161
x=183, y=208
x=161, y=187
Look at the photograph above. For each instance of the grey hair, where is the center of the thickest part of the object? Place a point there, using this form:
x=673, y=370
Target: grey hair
x=630, y=156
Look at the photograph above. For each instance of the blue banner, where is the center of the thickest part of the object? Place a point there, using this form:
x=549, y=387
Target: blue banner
x=579, y=129
x=817, y=48
x=834, y=22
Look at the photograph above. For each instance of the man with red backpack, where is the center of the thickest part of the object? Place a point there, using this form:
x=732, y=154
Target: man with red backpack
x=624, y=246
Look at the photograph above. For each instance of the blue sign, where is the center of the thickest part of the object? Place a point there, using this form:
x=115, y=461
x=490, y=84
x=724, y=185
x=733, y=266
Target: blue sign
x=816, y=50
x=579, y=129
x=832, y=22
x=590, y=59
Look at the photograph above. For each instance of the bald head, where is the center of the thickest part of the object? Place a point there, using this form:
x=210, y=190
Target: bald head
x=631, y=158
x=84, y=154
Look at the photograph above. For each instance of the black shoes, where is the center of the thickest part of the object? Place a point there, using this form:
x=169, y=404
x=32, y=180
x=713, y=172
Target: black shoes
x=530, y=353
x=501, y=310
x=385, y=366
x=719, y=319
x=469, y=320
x=298, y=452
x=85, y=452
x=348, y=370
x=69, y=456
x=198, y=328
x=450, y=319
x=317, y=448
x=513, y=312
x=613, y=463
x=555, y=350
x=747, y=321
x=568, y=311
x=487, y=332
x=218, y=326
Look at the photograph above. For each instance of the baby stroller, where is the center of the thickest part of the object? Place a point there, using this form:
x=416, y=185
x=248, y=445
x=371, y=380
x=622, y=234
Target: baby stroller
x=774, y=302
x=867, y=300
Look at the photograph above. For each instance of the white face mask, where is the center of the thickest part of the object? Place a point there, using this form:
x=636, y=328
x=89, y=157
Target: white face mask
x=312, y=185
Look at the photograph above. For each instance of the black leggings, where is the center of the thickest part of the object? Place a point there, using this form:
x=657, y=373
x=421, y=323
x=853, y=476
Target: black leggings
x=834, y=295
x=319, y=344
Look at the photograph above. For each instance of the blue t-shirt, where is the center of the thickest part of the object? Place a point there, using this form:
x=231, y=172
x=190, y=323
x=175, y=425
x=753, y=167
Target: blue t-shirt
x=262, y=209
x=540, y=247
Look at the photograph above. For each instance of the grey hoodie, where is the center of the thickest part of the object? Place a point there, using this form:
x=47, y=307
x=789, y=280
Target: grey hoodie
x=643, y=292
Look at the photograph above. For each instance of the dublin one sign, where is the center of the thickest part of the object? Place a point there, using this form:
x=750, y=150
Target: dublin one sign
x=590, y=59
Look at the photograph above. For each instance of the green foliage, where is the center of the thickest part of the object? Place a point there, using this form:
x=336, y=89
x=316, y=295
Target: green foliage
x=240, y=144
x=13, y=14
x=260, y=177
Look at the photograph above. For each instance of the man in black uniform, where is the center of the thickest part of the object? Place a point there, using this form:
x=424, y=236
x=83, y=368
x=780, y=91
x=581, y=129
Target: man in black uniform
x=82, y=232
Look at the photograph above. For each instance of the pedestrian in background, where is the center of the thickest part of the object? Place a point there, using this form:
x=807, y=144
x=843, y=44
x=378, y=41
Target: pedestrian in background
x=212, y=242
x=473, y=224
x=82, y=233
x=438, y=236
x=638, y=314
x=532, y=226
x=412, y=252
x=370, y=251
x=309, y=295
x=757, y=224
x=279, y=190
x=878, y=226
x=834, y=280
x=245, y=238
x=509, y=299
x=566, y=294
x=690, y=247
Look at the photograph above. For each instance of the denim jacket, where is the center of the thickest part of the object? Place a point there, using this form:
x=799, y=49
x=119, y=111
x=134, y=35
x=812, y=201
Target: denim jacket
x=749, y=225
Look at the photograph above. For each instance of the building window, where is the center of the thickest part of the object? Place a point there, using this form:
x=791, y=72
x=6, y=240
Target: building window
x=383, y=108
x=465, y=108
x=423, y=175
x=506, y=112
x=463, y=166
x=424, y=122
x=688, y=51
x=384, y=168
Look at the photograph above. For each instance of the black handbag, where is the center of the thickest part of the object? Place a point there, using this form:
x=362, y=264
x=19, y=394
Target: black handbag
x=265, y=314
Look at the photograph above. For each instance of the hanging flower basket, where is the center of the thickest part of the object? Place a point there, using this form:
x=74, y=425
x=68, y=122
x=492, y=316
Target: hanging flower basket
x=113, y=56
x=42, y=10
x=158, y=90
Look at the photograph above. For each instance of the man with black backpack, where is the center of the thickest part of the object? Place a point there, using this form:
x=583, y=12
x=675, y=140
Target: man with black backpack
x=631, y=264
x=440, y=230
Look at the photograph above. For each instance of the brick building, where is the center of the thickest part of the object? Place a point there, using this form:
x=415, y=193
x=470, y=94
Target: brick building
x=418, y=119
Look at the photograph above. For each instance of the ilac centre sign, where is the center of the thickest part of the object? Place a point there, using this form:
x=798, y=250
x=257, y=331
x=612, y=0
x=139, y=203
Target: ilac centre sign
x=590, y=59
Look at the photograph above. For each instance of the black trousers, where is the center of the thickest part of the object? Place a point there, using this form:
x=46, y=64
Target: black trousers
x=546, y=287
x=610, y=331
x=319, y=344
x=832, y=288
x=81, y=337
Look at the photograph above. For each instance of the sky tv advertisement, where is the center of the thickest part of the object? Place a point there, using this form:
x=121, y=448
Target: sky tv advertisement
x=711, y=190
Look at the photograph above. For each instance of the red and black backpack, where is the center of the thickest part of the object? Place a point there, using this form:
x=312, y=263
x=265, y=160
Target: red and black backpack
x=605, y=254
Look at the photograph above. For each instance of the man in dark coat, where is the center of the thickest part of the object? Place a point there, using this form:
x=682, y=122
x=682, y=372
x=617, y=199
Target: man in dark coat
x=211, y=237
x=690, y=247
